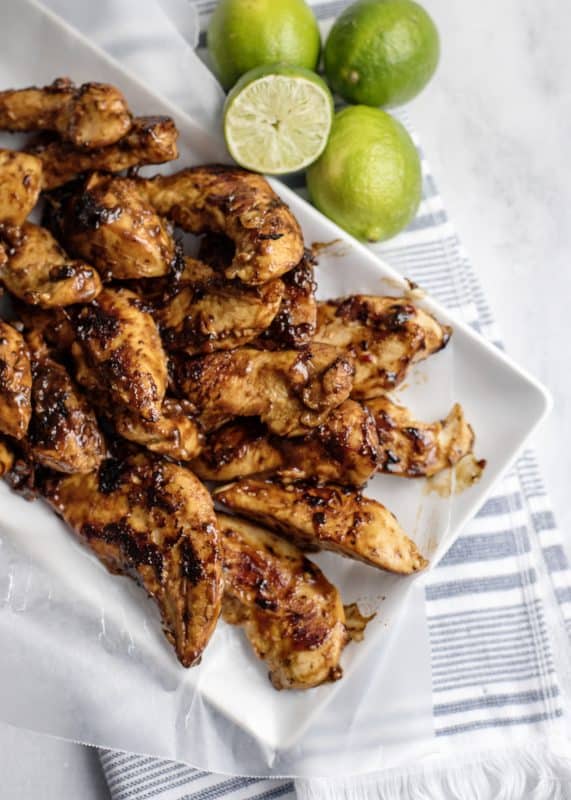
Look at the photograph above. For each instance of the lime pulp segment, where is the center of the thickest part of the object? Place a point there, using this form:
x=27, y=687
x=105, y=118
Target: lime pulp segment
x=278, y=124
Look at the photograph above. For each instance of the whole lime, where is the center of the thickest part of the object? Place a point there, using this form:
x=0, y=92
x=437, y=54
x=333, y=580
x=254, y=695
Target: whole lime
x=368, y=179
x=381, y=52
x=244, y=34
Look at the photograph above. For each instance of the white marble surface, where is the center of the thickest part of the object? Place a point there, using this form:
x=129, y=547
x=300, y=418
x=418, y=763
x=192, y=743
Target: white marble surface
x=494, y=124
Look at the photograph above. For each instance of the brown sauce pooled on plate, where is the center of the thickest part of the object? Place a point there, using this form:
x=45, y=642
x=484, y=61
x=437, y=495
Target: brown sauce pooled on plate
x=466, y=473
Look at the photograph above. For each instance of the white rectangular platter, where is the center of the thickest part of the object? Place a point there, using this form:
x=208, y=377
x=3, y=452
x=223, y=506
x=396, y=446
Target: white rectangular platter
x=112, y=646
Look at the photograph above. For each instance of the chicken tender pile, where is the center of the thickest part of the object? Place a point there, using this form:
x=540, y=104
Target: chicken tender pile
x=140, y=383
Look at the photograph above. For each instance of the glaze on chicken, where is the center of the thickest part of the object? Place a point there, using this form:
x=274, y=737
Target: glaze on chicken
x=20, y=186
x=6, y=458
x=210, y=313
x=106, y=222
x=15, y=382
x=64, y=434
x=344, y=449
x=293, y=326
x=295, y=323
x=150, y=140
x=293, y=617
x=91, y=115
x=175, y=433
x=52, y=325
x=416, y=449
x=326, y=517
x=243, y=206
x=122, y=350
x=39, y=272
x=291, y=391
x=154, y=521
x=238, y=449
x=384, y=336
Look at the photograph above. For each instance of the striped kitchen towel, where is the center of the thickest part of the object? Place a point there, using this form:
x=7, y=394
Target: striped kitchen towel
x=497, y=606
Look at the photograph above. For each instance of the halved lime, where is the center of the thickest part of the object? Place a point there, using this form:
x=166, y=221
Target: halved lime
x=277, y=119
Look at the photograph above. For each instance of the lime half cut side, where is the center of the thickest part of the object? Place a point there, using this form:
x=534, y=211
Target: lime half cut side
x=277, y=119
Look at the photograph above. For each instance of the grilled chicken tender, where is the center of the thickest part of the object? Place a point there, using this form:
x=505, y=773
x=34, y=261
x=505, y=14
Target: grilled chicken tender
x=291, y=614
x=150, y=140
x=51, y=324
x=343, y=449
x=15, y=382
x=157, y=293
x=121, y=346
x=20, y=185
x=418, y=449
x=107, y=223
x=241, y=205
x=291, y=391
x=174, y=434
x=39, y=272
x=154, y=521
x=64, y=434
x=295, y=323
x=238, y=449
x=385, y=335
x=326, y=517
x=6, y=458
x=91, y=115
x=216, y=314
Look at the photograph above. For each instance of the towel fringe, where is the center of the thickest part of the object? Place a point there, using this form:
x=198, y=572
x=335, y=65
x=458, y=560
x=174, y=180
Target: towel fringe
x=527, y=773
